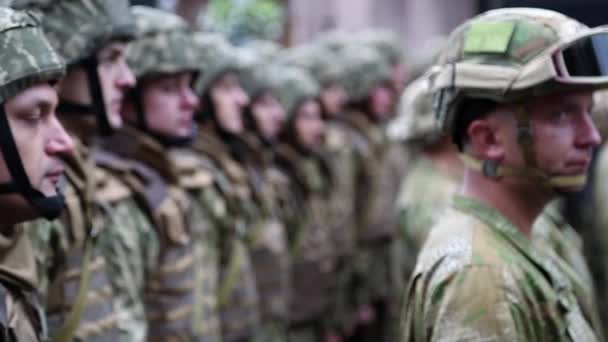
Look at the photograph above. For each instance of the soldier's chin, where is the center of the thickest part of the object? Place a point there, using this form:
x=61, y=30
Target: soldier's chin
x=575, y=183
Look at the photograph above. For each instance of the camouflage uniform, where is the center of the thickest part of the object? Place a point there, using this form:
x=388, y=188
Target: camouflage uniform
x=92, y=260
x=180, y=300
x=269, y=243
x=379, y=165
x=313, y=252
x=238, y=294
x=478, y=277
x=477, y=257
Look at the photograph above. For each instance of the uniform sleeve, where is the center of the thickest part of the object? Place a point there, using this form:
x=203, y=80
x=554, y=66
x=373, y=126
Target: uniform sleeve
x=472, y=304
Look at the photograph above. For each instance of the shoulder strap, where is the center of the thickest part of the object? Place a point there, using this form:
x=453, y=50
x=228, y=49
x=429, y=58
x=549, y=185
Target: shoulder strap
x=67, y=331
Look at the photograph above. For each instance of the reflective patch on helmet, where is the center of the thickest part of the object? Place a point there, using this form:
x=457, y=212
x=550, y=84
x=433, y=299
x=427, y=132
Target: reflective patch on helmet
x=489, y=37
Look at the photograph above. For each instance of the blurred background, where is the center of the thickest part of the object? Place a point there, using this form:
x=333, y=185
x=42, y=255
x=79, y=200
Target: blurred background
x=297, y=21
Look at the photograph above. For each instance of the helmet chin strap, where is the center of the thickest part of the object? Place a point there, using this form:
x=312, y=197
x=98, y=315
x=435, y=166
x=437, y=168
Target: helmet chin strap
x=48, y=207
x=492, y=169
x=97, y=106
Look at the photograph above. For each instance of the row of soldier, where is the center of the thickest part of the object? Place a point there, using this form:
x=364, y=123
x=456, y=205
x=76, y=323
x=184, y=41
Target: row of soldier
x=211, y=192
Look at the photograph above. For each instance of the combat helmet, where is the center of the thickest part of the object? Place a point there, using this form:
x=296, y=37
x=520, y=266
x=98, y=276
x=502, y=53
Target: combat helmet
x=27, y=59
x=77, y=29
x=510, y=54
x=163, y=45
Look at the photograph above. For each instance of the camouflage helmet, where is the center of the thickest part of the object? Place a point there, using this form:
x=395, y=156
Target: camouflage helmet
x=266, y=49
x=319, y=61
x=415, y=120
x=385, y=42
x=365, y=69
x=494, y=56
x=78, y=28
x=27, y=59
x=217, y=57
x=163, y=44
x=294, y=86
x=506, y=56
x=255, y=76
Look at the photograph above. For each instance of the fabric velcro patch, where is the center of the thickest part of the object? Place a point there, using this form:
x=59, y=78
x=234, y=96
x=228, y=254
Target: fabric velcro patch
x=489, y=37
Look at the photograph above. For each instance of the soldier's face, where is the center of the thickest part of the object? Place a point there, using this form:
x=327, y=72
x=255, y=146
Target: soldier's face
x=268, y=115
x=115, y=78
x=39, y=137
x=563, y=131
x=229, y=100
x=309, y=125
x=333, y=98
x=170, y=103
x=382, y=102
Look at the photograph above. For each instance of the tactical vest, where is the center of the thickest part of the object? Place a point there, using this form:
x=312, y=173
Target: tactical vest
x=313, y=253
x=169, y=291
x=238, y=295
x=269, y=245
x=342, y=163
x=21, y=312
x=89, y=197
x=197, y=176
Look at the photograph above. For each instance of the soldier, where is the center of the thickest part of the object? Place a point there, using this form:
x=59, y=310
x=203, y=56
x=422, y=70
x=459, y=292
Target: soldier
x=92, y=261
x=371, y=102
x=264, y=118
x=526, y=134
x=327, y=67
x=387, y=44
x=434, y=176
x=180, y=297
x=312, y=248
x=222, y=103
x=32, y=143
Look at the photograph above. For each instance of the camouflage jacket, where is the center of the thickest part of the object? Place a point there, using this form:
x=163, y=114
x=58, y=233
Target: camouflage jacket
x=173, y=285
x=238, y=296
x=102, y=214
x=424, y=195
x=313, y=249
x=478, y=278
x=21, y=313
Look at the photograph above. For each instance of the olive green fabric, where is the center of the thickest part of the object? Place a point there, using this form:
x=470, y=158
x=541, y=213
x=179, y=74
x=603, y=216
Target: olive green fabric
x=478, y=277
x=78, y=28
x=295, y=86
x=24, y=318
x=365, y=69
x=217, y=56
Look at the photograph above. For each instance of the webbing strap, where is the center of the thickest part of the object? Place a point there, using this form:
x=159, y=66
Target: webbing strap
x=493, y=170
x=67, y=331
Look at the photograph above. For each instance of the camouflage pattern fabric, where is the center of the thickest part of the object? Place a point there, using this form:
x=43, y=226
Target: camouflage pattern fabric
x=217, y=57
x=28, y=57
x=22, y=312
x=101, y=211
x=237, y=292
x=164, y=44
x=426, y=192
x=479, y=278
x=92, y=24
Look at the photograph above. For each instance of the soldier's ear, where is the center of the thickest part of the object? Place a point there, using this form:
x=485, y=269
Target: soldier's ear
x=485, y=140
